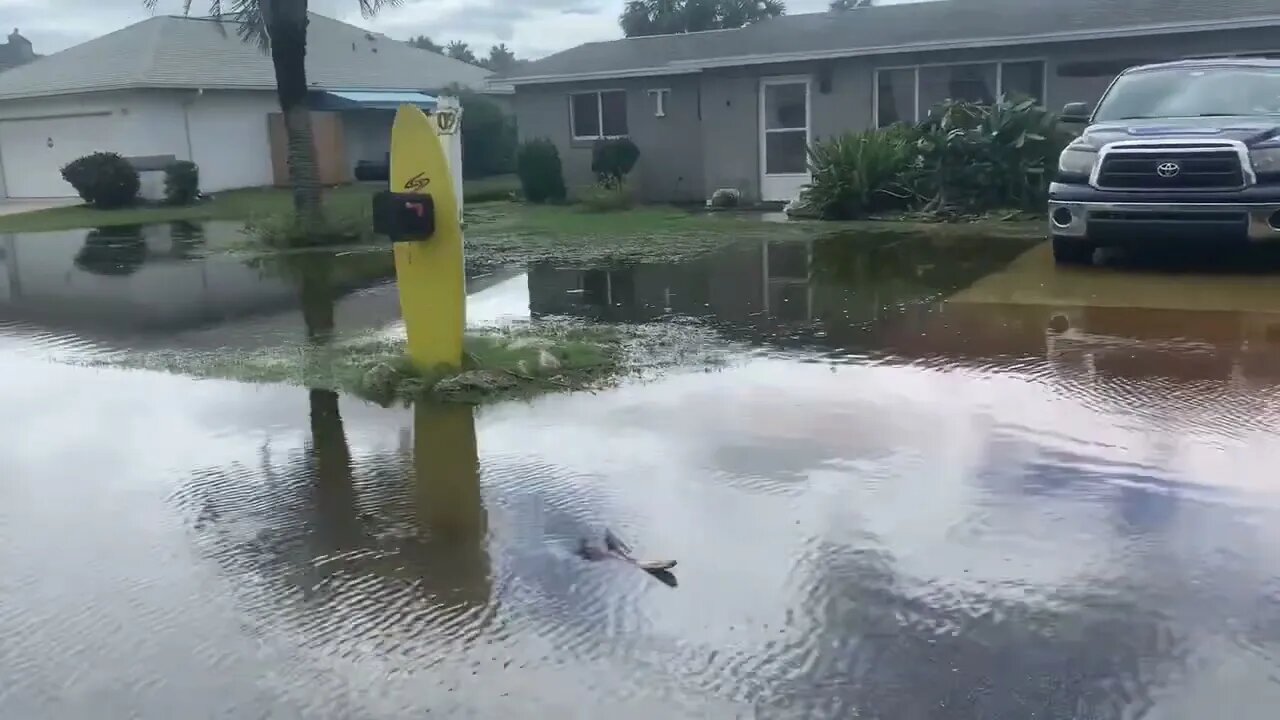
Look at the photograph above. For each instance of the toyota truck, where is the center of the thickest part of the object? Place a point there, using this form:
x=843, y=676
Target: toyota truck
x=1184, y=151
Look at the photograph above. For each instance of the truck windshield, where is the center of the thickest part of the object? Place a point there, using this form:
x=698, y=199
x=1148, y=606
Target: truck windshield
x=1192, y=92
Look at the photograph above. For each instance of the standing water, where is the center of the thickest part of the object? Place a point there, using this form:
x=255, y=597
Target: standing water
x=935, y=480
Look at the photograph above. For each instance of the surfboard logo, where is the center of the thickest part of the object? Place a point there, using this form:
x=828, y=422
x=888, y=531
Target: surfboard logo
x=446, y=121
x=417, y=182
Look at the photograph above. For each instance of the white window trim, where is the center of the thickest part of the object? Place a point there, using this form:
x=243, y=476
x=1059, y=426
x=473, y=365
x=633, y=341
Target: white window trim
x=659, y=96
x=573, y=130
x=764, y=125
x=1000, y=63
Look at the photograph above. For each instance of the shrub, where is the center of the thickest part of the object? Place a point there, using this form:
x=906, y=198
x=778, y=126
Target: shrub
x=541, y=176
x=612, y=160
x=488, y=137
x=104, y=179
x=287, y=230
x=181, y=183
x=975, y=157
x=600, y=198
x=858, y=173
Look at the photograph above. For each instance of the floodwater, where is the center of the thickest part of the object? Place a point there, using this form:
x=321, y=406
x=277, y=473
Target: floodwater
x=937, y=479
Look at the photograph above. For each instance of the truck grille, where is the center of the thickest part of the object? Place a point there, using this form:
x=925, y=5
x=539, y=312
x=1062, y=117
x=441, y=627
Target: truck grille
x=1177, y=169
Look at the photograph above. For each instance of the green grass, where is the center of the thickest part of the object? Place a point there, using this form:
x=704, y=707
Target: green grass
x=500, y=364
x=243, y=205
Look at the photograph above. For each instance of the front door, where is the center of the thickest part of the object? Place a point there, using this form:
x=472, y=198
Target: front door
x=784, y=137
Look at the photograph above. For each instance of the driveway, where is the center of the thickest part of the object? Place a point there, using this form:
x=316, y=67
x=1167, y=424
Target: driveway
x=14, y=207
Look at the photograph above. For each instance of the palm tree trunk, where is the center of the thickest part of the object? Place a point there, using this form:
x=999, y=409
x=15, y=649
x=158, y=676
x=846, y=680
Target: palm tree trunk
x=287, y=26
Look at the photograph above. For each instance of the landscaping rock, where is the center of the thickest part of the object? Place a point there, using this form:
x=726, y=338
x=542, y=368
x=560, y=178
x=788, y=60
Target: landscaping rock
x=725, y=198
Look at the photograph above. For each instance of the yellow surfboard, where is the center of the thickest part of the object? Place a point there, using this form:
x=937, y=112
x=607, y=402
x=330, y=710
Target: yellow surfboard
x=429, y=272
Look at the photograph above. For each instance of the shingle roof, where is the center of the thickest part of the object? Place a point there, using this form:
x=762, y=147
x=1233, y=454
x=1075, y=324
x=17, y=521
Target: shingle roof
x=180, y=52
x=893, y=28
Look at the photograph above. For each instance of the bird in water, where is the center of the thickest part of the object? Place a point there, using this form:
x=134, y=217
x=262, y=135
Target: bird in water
x=614, y=549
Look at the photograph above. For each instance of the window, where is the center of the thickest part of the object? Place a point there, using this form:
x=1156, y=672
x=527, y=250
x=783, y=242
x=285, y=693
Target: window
x=660, y=101
x=1023, y=79
x=895, y=96
x=786, y=127
x=908, y=94
x=596, y=115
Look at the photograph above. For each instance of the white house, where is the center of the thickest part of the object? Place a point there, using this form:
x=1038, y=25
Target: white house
x=190, y=89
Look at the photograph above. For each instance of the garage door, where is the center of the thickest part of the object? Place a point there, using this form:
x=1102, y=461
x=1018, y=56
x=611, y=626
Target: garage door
x=34, y=151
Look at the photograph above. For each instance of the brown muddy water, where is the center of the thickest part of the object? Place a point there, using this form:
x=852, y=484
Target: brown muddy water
x=938, y=479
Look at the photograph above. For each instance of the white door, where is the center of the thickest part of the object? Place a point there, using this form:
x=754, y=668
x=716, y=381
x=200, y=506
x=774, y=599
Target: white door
x=784, y=137
x=34, y=151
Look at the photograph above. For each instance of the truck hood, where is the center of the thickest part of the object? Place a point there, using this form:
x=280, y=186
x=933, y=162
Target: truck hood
x=1249, y=130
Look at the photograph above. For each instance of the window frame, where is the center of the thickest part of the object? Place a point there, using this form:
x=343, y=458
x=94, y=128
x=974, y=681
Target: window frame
x=599, y=95
x=915, y=74
x=765, y=130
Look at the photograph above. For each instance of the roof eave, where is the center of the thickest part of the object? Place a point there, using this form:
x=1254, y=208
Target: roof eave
x=679, y=67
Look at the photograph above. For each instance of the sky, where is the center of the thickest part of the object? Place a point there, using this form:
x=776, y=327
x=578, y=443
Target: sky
x=532, y=28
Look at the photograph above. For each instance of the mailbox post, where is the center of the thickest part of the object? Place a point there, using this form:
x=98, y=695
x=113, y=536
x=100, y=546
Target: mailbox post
x=419, y=213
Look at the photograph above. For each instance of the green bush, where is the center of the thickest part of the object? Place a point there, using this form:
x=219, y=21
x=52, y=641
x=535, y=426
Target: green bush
x=858, y=173
x=181, y=183
x=488, y=138
x=600, y=198
x=103, y=179
x=612, y=160
x=977, y=157
x=541, y=176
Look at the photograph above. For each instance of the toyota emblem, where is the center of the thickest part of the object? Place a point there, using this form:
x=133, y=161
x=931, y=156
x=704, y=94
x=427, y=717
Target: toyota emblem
x=1168, y=169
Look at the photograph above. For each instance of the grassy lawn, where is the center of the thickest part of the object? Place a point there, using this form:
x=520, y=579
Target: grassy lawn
x=230, y=205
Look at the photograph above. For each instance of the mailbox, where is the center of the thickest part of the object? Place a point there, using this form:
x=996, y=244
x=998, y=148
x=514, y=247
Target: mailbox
x=404, y=216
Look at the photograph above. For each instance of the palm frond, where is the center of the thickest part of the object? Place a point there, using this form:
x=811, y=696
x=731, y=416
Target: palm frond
x=369, y=8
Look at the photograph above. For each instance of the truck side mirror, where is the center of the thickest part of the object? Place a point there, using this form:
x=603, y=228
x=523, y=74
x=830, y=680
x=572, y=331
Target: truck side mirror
x=404, y=216
x=1076, y=112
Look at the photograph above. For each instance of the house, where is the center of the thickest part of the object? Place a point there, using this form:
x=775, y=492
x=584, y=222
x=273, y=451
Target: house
x=16, y=51
x=737, y=108
x=190, y=89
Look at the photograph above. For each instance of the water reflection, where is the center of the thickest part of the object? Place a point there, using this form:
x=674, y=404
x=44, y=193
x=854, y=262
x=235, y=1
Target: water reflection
x=113, y=251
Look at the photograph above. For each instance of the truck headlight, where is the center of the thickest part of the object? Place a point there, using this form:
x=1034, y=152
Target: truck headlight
x=1266, y=161
x=1077, y=160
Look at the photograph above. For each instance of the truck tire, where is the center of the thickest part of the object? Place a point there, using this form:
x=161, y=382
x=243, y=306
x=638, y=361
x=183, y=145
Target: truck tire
x=1069, y=251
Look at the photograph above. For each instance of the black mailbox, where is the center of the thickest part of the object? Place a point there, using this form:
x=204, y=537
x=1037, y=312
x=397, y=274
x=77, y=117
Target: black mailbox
x=404, y=216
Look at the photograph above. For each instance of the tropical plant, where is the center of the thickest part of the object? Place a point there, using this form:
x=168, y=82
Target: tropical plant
x=838, y=5
x=181, y=182
x=103, y=179
x=488, y=136
x=459, y=50
x=858, y=173
x=974, y=156
x=662, y=17
x=540, y=171
x=612, y=160
x=279, y=27
x=422, y=42
x=500, y=59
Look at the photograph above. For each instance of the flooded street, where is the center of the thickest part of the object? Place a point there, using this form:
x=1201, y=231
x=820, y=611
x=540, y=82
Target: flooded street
x=938, y=478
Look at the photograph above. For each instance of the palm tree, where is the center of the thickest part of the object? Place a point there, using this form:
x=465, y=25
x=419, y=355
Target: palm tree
x=279, y=27
x=661, y=17
x=459, y=50
x=500, y=58
x=850, y=4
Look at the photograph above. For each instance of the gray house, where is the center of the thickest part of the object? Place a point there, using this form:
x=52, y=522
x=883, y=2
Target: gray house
x=736, y=108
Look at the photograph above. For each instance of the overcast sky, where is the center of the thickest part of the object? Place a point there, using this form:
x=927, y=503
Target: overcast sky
x=530, y=27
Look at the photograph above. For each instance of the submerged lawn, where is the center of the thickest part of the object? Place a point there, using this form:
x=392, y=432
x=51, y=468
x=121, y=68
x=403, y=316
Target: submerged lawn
x=500, y=364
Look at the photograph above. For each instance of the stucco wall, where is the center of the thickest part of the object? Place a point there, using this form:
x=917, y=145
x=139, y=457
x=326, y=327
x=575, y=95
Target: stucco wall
x=670, y=166
x=229, y=138
x=720, y=145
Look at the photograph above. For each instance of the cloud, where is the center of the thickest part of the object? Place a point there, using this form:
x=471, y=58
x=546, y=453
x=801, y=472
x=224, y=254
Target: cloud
x=530, y=27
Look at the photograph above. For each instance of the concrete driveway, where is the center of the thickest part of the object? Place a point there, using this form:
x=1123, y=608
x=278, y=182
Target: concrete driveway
x=14, y=207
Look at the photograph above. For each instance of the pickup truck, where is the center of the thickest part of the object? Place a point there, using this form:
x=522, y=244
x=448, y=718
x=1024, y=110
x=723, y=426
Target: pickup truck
x=1173, y=152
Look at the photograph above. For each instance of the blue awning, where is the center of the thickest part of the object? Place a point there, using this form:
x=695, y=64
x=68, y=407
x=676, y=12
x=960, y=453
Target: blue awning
x=372, y=99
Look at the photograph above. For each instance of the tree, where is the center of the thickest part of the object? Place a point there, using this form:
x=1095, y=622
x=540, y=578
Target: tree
x=459, y=50
x=422, y=42
x=500, y=59
x=279, y=28
x=661, y=17
x=837, y=5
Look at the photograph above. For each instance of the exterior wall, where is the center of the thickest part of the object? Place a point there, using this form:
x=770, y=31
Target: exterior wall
x=671, y=160
x=368, y=134
x=229, y=137
x=687, y=156
x=225, y=133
